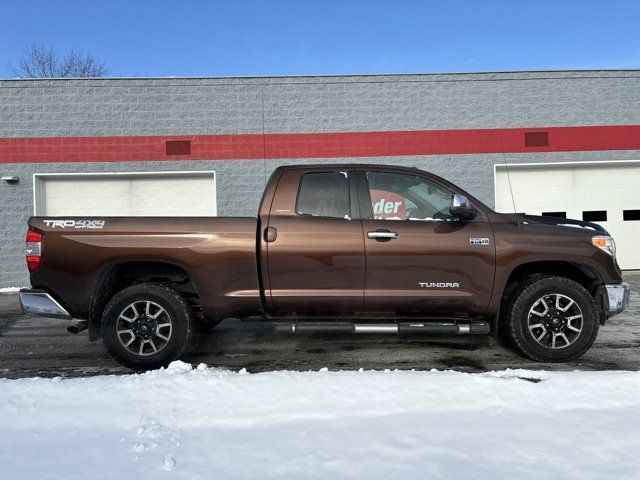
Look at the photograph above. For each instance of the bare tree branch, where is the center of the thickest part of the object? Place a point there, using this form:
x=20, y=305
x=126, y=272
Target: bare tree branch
x=38, y=61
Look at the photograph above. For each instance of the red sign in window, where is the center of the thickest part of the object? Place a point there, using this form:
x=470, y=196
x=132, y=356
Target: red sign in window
x=387, y=205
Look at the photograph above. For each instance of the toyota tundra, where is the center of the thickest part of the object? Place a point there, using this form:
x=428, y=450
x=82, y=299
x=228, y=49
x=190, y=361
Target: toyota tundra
x=348, y=248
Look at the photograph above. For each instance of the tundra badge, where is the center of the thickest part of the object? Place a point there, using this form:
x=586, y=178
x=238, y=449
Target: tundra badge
x=439, y=284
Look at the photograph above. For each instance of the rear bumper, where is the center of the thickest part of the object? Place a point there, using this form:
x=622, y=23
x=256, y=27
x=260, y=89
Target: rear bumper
x=39, y=302
x=618, y=298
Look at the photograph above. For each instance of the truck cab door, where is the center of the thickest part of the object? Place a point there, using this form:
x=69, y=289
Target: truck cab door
x=421, y=260
x=314, y=246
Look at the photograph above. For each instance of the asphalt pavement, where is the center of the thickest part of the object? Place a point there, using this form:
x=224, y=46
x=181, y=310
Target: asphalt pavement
x=34, y=346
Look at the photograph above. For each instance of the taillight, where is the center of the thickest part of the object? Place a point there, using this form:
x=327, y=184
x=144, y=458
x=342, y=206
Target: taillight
x=34, y=250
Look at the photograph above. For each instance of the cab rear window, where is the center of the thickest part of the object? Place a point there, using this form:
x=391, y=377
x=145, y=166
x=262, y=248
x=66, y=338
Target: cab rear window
x=324, y=194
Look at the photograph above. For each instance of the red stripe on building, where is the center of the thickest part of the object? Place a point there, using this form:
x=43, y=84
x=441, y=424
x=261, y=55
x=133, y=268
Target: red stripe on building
x=317, y=145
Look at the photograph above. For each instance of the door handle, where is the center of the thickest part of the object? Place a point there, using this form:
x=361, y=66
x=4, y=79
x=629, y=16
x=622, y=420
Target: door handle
x=270, y=234
x=382, y=235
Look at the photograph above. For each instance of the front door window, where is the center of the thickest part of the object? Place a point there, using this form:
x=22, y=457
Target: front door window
x=397, y=196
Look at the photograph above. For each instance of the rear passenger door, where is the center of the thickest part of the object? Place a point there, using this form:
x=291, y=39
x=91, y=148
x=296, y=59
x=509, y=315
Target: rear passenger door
x=316, y=257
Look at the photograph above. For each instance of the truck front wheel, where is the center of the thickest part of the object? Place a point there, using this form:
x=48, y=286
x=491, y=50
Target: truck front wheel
x=147, y=326
x=552, y=319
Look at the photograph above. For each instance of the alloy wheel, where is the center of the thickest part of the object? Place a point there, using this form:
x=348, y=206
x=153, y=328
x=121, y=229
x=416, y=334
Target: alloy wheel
x=555, y=321
x=144, y=328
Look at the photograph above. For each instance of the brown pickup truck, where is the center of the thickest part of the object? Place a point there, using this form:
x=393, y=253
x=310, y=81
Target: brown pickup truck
x=352, y=248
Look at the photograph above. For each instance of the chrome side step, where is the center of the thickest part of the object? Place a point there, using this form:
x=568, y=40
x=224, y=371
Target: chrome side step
x=376, y=328
x=445, y=328
x=394, y=328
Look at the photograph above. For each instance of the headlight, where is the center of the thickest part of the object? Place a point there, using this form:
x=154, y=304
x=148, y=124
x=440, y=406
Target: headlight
x=605, y=243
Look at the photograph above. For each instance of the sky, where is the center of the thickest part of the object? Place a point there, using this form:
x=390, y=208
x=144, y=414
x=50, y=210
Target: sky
x=303, y=37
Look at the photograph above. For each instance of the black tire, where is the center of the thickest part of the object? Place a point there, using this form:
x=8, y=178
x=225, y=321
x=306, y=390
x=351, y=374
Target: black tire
x=523, y=313
x=147, y=300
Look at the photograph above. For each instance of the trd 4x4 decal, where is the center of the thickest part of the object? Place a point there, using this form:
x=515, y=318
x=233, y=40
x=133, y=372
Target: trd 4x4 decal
x=77, y=224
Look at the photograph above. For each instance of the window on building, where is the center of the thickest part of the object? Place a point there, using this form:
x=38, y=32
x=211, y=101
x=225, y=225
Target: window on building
x=555, y=214
x=536, y=139
x=631, y=215
x=396, y=196
x=178, y=147
x=324, y=194
x=595, y=216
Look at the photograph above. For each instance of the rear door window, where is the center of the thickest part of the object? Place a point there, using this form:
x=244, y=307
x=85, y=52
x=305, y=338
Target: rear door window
x=324, y=194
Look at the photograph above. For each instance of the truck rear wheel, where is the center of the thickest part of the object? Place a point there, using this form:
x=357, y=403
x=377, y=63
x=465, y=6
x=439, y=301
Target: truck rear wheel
x=147, y=326
x=552, y=319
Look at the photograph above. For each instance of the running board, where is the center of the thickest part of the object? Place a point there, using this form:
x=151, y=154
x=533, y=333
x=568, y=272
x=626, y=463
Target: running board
x=397, y=328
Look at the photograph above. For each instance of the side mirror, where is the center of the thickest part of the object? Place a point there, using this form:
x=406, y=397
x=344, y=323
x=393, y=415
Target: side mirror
x=461, y=208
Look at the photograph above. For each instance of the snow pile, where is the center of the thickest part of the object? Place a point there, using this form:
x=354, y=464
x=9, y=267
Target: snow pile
x=207, y=423
x=9, y=289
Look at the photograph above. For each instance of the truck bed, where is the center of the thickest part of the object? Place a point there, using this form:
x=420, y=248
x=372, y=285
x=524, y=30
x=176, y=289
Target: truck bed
x=217, y=253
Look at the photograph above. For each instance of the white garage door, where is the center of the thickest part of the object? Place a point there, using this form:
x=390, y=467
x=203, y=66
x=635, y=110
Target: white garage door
x=607, y=193
x=172, y=194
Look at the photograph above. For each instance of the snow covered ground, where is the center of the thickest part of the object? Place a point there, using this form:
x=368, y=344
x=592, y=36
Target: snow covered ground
x=215, y=424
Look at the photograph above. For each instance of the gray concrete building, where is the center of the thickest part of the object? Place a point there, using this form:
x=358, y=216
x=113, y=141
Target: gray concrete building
x=206, y=146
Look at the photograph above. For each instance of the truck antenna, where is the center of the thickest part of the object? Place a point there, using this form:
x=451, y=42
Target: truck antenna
x=506, y=167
